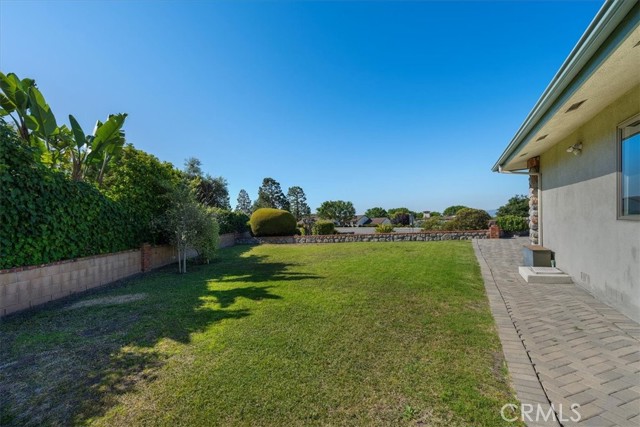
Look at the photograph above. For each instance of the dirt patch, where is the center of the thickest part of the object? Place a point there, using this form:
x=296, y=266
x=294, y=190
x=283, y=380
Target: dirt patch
x=120, y=299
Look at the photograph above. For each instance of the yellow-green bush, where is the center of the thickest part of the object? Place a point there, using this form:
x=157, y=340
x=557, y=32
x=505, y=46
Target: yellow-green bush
x=384, y=228
x=324, y=227
x=272, y=222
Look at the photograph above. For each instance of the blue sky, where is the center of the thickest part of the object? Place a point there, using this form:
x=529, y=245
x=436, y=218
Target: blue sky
x=380, y=103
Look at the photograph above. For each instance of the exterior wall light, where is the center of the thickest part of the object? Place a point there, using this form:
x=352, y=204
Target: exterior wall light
x=576, y=149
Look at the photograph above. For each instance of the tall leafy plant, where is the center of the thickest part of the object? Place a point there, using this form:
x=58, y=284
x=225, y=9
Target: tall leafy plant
x=190, y=226
x=61, y=147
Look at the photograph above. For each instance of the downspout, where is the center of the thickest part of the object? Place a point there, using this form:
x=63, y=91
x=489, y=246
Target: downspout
x=539, y=175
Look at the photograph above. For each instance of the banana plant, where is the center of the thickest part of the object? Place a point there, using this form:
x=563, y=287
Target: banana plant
x=59, y=146
x=94, y=152
x=36, y=124
x=14, y=101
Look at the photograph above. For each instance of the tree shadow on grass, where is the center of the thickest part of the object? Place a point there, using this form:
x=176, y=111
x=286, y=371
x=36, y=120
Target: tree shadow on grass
x=62, y=366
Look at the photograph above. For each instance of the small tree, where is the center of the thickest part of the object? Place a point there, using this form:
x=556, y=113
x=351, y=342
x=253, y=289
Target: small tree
x=401, y=218
x=518, y=205
x=210, y=191
x=244, y=203
x=453, y=210
x=376, y=212
x=298, y=203
x=470, y=219
x=394, y=211
x=338, y=210
x=190, y=226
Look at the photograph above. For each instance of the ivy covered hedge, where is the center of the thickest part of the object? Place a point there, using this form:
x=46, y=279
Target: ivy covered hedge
x=45, y=217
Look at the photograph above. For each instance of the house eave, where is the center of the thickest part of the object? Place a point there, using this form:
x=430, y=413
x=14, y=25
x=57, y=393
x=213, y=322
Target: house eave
x=590, y=51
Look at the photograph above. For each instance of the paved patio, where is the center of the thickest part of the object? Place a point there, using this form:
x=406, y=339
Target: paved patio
x=561, y=345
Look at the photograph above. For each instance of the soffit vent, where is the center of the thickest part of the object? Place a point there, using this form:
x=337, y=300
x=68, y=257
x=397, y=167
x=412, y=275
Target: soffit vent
x=542, y=137
x=576, y=106
x=523, y=154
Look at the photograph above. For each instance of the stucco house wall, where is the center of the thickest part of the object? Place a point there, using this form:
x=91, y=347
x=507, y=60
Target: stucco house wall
x=579, y=217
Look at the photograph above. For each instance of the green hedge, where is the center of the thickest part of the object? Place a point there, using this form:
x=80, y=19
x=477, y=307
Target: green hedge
x=512, y=223
x=231, y=222
x=45, y=217
x=324, y=228
x=272, y=222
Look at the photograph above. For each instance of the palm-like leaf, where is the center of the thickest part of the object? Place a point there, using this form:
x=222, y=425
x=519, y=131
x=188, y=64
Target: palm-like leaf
x=41, y=112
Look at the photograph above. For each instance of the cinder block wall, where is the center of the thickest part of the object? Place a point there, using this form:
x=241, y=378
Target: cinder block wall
x=227, y=240
x=26, y=287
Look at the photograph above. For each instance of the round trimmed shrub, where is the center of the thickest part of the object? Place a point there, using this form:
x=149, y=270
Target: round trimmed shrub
x=272, y=222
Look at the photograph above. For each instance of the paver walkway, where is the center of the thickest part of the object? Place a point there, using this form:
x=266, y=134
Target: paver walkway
x=561, y=345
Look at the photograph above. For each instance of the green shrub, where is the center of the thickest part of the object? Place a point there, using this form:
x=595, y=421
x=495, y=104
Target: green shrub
x=384, y=228
x=230, y=222
x=324, y=228
x=46, y=217
x=434, y=223
x=142, y=184
x=272, y=222
x=470, y=219
x=512, y=223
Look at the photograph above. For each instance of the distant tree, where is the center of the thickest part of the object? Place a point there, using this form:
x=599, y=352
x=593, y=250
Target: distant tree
x=192, y=167
x=394, y=211
x=453, y=210
x=435, y=213
x=270, y=195
x=209, y=191
x=470, y=219
x=518, y=205
x=401, y=218
x=212, y=192
x=244, y=203
x=337, y=210
x=376, y=213
x=298, y=203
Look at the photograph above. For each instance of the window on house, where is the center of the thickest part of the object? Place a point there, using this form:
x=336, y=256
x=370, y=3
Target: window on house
x=629, y=168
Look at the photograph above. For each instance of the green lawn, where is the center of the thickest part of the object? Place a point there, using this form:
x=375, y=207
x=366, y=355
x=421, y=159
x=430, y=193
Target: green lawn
x=337, y=334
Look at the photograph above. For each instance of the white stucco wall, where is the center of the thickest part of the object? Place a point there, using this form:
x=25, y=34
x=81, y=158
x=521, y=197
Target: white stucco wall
x=579, y=219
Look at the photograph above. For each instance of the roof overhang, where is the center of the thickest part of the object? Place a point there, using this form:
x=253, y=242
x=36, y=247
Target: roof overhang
x=601, y=67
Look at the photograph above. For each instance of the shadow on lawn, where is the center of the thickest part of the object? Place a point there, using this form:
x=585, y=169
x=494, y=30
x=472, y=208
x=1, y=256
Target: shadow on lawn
x=60, y=366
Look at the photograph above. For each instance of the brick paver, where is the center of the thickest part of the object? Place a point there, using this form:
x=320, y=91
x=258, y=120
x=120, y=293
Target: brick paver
x=561, y=345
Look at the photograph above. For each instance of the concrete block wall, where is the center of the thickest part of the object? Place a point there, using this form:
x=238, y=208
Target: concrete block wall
x=26, y=287
x=227, y=240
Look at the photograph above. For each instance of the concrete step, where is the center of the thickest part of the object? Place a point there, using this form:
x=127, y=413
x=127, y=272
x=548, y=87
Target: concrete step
x=546, y=275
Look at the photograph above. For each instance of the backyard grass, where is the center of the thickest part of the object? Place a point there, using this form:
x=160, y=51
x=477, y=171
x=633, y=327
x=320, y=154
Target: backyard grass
x=338, y=334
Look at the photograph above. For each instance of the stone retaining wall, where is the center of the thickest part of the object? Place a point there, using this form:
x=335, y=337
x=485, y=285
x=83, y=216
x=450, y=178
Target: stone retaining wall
x=426, y=236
